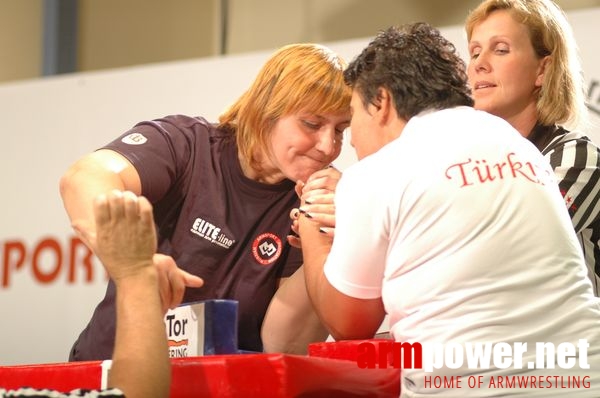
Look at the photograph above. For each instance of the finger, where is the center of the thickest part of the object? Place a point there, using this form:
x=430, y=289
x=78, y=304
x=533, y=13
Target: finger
x=146, y=220
x=329, y=171
x=177, y=287
x=326, y=178
x=295, y=227
x=313, y=209
x=130, y=205
x=325, y=184
x=327, y=231
x=101, y=209
x=115, y=202
x=294, y=213
x=324, y=220
x=318, y=196
x=145, y=210
x=294, y=241
x=325, y=198
x=334, y=169
x=191, y=280
x=298, y=188
x=179, y=279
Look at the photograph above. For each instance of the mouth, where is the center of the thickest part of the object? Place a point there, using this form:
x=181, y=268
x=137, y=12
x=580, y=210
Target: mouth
x=483, y=85
x=319, y=160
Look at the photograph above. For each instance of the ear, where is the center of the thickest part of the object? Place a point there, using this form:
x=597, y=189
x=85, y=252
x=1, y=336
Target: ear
x=385, y=104
x=539, y=80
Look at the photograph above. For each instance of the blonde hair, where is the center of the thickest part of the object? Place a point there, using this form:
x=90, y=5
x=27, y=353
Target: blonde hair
x=297, y=77
x=561, y=99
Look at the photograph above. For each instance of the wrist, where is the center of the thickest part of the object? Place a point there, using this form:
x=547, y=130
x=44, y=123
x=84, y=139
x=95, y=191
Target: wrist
x=144, y=273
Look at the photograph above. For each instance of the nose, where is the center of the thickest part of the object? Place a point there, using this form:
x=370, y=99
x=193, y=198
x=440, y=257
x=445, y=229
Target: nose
x=327, y=142
x=480, y=64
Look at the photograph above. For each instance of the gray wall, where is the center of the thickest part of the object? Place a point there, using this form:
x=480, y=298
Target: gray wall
x=119, y=33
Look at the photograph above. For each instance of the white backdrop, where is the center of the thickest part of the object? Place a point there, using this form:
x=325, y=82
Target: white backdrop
x=49, y=284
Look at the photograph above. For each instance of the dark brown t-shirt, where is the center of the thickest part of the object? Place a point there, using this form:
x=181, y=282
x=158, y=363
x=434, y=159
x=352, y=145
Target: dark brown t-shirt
x=211, y=219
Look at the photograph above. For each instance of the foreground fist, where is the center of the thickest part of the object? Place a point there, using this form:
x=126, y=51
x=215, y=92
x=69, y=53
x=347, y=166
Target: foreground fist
x=125, y=235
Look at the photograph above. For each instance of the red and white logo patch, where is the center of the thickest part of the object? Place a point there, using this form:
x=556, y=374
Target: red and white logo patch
x=267, y=248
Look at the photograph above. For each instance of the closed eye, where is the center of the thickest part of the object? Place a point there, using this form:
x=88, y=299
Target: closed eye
x=311, y=125
x=339, y=132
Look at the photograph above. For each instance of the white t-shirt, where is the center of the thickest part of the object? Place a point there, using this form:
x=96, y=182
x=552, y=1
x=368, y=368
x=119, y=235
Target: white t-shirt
x=460, y=227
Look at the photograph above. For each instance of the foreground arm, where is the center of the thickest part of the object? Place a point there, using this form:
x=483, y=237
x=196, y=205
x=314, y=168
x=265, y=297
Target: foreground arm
x=141, y=365
x=126, y=243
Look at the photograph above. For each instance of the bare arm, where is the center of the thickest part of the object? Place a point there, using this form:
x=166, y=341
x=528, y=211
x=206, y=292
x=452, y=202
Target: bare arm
x=96, y=173
x=345, y=317
x=291, y=323
x=126, y=245
x=141, y=365
x=291, y=316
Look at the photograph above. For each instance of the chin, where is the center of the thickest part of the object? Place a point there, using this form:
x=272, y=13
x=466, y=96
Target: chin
x=303, y=176
x=302, y=170
x=481, y=106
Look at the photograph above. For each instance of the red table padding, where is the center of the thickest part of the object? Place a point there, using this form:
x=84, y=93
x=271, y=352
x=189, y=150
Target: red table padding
x=223, y=376
x=58, y=376
x=278, y=375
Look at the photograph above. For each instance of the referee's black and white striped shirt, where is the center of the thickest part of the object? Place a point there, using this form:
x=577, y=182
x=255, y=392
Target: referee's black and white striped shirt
x=576, y=163
x=45, y=393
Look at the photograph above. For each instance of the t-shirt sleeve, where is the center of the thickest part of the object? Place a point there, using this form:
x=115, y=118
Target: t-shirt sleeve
x=355, y=266
x=159, y=150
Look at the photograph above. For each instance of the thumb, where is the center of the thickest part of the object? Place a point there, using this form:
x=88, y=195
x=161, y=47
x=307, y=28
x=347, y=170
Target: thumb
x=298, y=188
x=191, y=280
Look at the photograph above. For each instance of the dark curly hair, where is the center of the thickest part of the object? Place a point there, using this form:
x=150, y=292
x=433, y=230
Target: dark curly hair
x=420, y=67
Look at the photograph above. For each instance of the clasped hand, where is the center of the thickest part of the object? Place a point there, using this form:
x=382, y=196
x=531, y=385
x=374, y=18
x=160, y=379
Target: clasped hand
x=316, y=202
